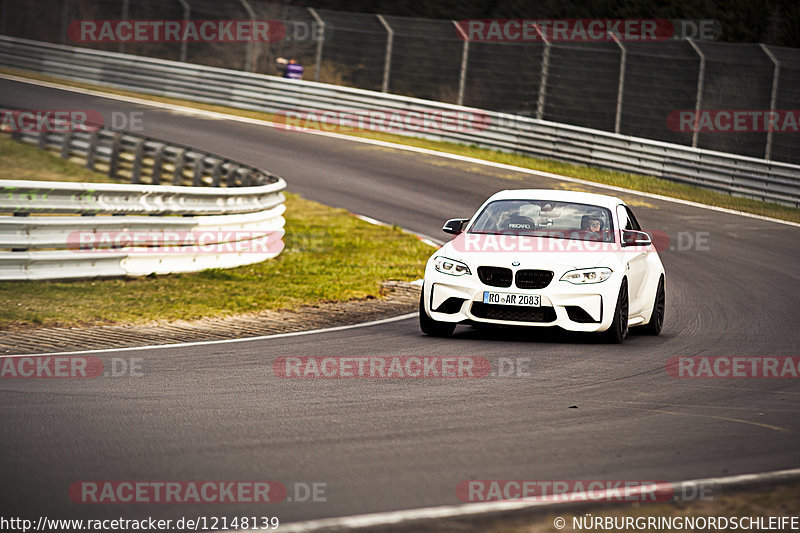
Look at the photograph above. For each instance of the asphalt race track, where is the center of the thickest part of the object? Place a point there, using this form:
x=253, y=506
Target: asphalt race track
x=585, y=410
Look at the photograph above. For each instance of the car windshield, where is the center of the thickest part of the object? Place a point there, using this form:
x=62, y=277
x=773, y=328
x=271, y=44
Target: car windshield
x=543, y=218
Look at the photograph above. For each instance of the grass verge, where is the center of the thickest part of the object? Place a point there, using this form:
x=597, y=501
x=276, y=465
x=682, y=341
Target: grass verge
x=774, y=501
x=21, y=161
x=637, y=182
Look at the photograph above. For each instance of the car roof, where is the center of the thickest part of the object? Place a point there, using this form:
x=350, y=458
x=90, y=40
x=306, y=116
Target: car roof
x=557, y=195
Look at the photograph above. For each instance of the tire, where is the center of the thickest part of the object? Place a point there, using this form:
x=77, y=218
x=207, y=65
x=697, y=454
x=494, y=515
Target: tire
x=619, y=326
x=656, y=323
x=432, y=327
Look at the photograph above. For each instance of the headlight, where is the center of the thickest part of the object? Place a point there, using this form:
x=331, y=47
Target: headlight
x=450, y=266
x=587, y=275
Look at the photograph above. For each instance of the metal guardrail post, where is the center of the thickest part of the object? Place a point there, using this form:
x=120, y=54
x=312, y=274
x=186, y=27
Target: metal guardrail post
x=197, y=177
x=462, y=74
x=184, y=43
x=621, y=86
x=65, y=151
x=230, y=176
x=113, y=161
x=158, y=162
x=773, y=97
x=136, y=170
x=177, y=171
x=126, y=8
x=41, y=141
x=701, y=80
x=545, y=70
x=320, y=41
x=216, y=173
x=248, y=61
x=387, y=61
x=91, y=150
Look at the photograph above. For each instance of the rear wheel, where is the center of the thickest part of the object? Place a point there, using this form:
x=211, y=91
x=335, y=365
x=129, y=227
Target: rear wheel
x=432, y=327
x=657, y=318
x=619, y=326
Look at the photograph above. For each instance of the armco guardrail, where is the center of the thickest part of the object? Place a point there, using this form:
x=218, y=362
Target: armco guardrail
x=152, y=228
x=728, y=173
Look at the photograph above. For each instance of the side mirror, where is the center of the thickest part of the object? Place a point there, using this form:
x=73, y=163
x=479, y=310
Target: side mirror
x=454, y=225
x=635, y=238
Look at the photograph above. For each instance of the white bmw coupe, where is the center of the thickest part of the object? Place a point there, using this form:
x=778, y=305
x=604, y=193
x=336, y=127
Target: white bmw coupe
x=546, y=258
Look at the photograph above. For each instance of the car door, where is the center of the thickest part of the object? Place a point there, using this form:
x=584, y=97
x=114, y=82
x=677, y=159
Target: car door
x=635, y=260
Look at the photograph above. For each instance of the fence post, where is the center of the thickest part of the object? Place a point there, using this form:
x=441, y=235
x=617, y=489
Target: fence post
x=545, y=69
x=248, y=60
x=126, y=7
x=701, y=79
x=387, y=61
x=462, y=74
x=184, y=43
x=621, y=86
x=773, y=97
x=320, y=40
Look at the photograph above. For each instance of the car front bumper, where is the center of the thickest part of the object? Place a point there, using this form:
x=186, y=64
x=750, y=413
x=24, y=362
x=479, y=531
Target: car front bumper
x=586, y=308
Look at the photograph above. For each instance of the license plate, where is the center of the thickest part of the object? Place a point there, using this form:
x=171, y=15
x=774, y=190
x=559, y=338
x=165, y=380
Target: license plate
x=504, y=298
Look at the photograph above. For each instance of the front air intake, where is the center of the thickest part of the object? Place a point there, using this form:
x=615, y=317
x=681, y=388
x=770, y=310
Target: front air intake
x=495, y=276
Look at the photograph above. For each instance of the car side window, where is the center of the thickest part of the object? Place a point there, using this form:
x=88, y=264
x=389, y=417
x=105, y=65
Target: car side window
x=634, y=224
x=626, y=218
x=622, y=214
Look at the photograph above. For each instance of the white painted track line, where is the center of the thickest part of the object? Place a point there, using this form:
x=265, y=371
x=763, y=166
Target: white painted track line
x=222, y=341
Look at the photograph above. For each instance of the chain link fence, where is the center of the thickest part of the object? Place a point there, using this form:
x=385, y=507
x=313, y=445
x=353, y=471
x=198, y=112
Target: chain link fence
x=632, y=88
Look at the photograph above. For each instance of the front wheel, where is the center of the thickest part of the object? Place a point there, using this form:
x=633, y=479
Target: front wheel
x=432, y=327
x=657, y=318
x=619, y=326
